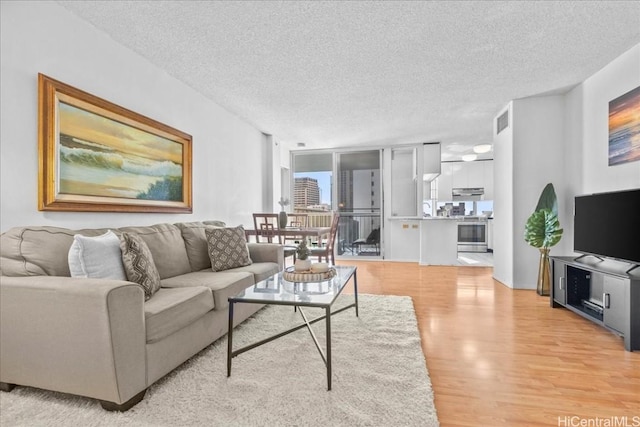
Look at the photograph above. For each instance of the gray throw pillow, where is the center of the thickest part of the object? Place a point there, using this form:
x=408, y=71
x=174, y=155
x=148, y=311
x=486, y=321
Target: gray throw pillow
x=227, y=248
x=138, y=264
x=98, y=257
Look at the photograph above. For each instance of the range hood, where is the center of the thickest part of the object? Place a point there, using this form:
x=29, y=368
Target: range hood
x=468, y=194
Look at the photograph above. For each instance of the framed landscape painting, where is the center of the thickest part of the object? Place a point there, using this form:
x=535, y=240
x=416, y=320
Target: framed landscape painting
x=624, y=128
x=97, y=156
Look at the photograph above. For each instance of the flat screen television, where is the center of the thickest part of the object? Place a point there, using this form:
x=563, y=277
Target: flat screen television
x=608, y=225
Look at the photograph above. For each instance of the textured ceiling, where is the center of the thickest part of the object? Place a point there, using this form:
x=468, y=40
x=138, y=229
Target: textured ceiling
x=364, y=73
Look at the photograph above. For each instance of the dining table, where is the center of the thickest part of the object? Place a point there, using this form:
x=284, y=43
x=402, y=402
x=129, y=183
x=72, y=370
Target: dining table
x=319, y=232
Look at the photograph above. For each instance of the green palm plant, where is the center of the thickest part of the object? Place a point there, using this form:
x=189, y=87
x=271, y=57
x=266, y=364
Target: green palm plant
x=542, y=230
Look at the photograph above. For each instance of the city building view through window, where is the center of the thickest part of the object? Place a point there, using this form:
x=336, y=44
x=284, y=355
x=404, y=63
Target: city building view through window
x=356, y=197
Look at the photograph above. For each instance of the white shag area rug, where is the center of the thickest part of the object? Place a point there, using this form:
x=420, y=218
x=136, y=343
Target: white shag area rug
x=379, y=378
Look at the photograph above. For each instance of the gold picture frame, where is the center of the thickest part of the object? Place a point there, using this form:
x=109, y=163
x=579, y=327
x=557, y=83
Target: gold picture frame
x=95, y=156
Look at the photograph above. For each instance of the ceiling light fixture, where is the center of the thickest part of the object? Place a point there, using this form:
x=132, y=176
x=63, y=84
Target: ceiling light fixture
x=482, y=148
x=469, y=157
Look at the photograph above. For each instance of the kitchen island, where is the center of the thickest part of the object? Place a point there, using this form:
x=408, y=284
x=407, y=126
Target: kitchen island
x=427, y=240
x=439, y=241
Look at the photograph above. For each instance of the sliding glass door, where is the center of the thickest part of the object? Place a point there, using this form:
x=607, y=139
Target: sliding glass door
x=358, y=197
x=346, y=182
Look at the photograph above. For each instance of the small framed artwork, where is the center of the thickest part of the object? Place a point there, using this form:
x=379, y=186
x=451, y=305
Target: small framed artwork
x=97, y=156
x=624, y=128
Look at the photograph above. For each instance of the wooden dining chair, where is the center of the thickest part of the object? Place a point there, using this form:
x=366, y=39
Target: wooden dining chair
x=267, y=231
x=266, y=226
x=296, y=220
x=327, y=251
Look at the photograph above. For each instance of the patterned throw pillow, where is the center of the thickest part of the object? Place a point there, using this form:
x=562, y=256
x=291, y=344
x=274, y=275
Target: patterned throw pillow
x=227, y=248
x=138, y=264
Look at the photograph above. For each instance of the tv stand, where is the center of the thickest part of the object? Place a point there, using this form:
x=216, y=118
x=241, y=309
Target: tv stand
x=584, y=255
x=600, y=291
x=632, y=268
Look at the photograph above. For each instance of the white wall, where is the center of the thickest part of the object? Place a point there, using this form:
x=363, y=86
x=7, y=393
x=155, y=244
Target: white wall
x=527, y=156
x=573, y=151
x=587, y=136
x=561, y=139
x=503, y=201
x=617, y=78
x=537, y=160
x=44, y=37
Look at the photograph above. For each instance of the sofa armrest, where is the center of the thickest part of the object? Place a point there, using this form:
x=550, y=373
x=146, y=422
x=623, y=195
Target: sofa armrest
x=78, y=336
x=267, y=252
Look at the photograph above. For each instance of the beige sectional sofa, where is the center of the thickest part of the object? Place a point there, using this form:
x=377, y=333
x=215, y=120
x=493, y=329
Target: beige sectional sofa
x=99, y=337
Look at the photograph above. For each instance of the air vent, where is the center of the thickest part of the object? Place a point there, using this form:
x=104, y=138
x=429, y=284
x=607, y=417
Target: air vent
x=502, y=122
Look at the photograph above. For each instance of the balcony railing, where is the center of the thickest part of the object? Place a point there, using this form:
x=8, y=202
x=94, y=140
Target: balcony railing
x=358, y=233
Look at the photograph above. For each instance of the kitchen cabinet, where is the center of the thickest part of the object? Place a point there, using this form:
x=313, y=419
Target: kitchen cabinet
x=405, y=240
x=439, y=241
x=459, y=175
x=475, y=174
x=478, y=174
x=445, y=182
x=487, y=176
x=470, y=174
x=431, y=164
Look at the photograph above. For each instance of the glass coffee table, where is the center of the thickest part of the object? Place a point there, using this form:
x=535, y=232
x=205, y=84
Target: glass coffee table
x=277, y=291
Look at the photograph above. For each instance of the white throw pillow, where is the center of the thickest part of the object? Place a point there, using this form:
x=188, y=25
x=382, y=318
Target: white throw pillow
x=97, y=257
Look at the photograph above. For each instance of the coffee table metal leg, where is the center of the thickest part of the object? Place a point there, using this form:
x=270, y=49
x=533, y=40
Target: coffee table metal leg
x=230, y=339
x=355, y=289
x=328, y=323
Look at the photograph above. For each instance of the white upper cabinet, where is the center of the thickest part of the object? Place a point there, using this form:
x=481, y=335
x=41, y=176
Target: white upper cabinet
x=445, y=182
x=488, y=179
x=475, y=174
x=431, y=164
x=478, y=174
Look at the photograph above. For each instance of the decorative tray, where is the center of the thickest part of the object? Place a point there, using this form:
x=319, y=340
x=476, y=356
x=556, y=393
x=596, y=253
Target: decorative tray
x=291, y=275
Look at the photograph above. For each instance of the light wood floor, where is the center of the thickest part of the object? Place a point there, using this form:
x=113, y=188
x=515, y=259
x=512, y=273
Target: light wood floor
x=502, y=357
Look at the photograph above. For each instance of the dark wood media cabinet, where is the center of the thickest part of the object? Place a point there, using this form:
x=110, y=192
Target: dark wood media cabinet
x=602, y=291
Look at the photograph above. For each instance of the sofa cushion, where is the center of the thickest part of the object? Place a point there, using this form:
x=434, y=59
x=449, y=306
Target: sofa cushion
x=195, y=242
x=96, y=257
x=223, y=284
x=167, y=247
x=227, y=248
x=138, y=264
x=171, y=309
x=38, y=251
x=260, y=270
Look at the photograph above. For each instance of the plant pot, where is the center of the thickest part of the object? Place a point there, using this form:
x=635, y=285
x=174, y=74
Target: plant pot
x=544, y=273
x=282, y=219
x=302, y=265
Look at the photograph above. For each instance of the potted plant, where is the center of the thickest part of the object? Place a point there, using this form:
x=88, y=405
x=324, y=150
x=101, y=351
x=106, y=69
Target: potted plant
x=282, y=216
x=303, y=263
x=543, y=231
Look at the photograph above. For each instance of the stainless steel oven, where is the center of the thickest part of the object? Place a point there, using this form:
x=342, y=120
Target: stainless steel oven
x=472, y=236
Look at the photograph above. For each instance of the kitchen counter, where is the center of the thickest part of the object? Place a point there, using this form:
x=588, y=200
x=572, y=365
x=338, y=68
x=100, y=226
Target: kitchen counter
x=439, y=241
x=435, y=238
x=424, y=218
